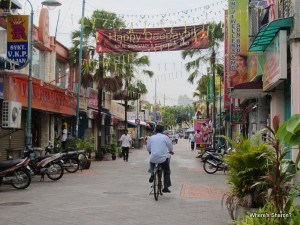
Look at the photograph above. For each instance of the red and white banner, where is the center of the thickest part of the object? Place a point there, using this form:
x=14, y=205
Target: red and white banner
x=152, y=39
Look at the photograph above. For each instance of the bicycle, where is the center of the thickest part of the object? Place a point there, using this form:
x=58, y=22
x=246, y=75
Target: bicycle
x=157, y=180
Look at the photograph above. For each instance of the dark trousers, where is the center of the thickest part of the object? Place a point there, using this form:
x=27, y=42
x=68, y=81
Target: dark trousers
x=166, y=171
x=192, y=145
x=125, y=152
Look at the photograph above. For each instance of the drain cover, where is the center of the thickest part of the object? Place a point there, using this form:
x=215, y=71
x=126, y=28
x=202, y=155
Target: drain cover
x=14, y=203
x=116, y=193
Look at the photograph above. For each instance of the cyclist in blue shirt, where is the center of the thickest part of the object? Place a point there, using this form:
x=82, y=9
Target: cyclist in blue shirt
x=160, y=147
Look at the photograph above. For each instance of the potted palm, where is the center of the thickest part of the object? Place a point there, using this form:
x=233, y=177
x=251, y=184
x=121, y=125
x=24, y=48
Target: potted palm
x=246, y=165
x=113, y=150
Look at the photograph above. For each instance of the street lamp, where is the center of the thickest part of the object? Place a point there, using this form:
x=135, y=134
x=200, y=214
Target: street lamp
x=52, y=3
x=79, y=71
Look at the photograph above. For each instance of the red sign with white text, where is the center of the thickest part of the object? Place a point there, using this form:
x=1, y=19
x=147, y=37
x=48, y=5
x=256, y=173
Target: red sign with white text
x=43, y=98
x=152, y=39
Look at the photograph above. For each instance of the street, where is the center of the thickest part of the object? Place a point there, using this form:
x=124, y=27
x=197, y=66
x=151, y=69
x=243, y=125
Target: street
x=117, y=193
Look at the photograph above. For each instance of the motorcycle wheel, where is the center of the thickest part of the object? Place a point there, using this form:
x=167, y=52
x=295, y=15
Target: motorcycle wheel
x=209, y=166
x=21, y=180
x=55, y=171
x=71, y=165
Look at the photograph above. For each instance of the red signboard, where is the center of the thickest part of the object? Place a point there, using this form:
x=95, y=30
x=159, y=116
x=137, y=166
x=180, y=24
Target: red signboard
x=46, y=97
x=152, y=39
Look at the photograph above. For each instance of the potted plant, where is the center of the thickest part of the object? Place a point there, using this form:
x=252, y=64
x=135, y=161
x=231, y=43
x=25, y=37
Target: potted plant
x=119, y=151
x=246, y=165
x=113, y=150
x=86, y=144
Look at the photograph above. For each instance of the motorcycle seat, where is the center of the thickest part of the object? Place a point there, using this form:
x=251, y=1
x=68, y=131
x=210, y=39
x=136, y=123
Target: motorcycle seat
x=9, y=163
x=71, y=153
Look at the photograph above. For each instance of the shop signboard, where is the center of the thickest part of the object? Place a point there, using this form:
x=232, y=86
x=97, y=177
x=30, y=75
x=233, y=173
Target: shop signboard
x=117, y=110
x=226, y=73
x=133, y=116
x=17, y=39
x=237, y=41
x=48, y=98
x=239, y=116
x=92, y=98
x=275, y=62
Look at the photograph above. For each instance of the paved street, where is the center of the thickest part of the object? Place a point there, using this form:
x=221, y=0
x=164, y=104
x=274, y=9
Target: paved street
x=117, y=193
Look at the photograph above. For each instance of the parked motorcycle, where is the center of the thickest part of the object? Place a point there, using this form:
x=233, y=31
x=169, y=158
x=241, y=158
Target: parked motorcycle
x=69, y=159
x=209, y=149
x=13, y=172
x=45, y=165
x=214, y=162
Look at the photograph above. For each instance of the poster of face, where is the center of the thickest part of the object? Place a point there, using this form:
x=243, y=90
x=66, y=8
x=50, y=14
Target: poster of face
x=202, y=128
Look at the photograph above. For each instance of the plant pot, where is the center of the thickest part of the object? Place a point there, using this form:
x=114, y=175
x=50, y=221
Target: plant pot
x=107, y=157
x=241, y=211
x=113, y=157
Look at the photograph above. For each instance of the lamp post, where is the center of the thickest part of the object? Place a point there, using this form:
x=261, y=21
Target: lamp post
x=28, y=135
x=79, y=71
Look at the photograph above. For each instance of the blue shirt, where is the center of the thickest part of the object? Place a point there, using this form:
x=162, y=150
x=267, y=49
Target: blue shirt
x=159, y=145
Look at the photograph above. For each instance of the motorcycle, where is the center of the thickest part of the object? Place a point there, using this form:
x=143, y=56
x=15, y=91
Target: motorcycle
x=70, y=158
x=209, y=149
x=13, y=172
x=214, y=162
x=44, y=165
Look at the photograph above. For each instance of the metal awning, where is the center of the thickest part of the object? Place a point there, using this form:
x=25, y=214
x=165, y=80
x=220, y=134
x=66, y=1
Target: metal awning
x=268, y=32
x=248, y=90
x=10, y=4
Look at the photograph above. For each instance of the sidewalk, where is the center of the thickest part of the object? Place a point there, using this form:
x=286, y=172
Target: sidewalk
x=117, y=193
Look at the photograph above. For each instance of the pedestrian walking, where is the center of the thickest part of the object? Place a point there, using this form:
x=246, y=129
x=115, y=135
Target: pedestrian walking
x=125, y=143
x=176, y=138
x=192, y=140
x=64, y=135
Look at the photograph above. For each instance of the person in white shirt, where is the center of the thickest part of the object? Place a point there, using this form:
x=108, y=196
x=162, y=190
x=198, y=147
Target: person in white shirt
x=159, y=147
x=126, y=143
x=64, y=135
x=192, y=140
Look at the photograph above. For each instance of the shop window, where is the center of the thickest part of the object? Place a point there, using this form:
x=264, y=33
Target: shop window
x=61, y=74
x=38, y=63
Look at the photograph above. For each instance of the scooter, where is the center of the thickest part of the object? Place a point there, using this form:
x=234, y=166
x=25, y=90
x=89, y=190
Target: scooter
x=14, y=173
x=49, y=165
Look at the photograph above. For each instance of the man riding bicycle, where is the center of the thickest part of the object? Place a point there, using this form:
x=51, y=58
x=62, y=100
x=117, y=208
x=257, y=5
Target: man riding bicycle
x=159, y=147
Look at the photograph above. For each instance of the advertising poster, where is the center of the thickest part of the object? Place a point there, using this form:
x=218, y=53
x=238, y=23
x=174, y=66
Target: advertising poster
x=237, y=41
x=152, y=39
x=202, y=129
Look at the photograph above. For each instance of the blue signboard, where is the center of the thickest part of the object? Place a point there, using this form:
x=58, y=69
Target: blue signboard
x=17, y=40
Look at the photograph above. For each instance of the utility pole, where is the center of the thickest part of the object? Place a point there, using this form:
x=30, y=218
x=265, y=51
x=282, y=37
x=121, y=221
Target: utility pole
x=154, y=113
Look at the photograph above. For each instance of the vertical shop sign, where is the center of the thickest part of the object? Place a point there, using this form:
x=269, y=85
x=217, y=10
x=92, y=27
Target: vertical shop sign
x=238, y=41
x=17, y=40
x=226, y=74
x=1, y=86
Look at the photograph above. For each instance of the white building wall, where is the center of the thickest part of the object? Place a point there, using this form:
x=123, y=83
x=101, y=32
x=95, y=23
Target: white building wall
x=277, y=105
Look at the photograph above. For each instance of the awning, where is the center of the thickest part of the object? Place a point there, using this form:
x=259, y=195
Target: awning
x=248, y=90
x=10, y=4
x=268, y=32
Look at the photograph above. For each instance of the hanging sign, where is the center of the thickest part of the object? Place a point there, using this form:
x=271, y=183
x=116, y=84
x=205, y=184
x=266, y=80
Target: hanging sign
x=17, y=40
x=152, y=39
x=239, y=116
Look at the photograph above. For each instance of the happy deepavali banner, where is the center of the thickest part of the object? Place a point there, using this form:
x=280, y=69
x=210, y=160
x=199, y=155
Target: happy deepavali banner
x=152, y=39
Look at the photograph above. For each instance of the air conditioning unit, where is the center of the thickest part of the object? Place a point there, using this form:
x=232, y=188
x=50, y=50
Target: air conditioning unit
x=11, y=114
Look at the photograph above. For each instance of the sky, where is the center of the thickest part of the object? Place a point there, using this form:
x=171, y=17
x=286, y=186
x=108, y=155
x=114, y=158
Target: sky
x=168, y=67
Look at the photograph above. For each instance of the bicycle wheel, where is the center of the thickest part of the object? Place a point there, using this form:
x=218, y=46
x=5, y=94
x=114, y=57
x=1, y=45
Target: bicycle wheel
x=71, y=165
x=159, y=174
x=155, y=185
x=21, y=179
x=210, y=166
x=55, y=171
x=83, y=160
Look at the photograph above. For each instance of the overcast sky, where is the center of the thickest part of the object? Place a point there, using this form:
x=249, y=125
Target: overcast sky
x=167, y=66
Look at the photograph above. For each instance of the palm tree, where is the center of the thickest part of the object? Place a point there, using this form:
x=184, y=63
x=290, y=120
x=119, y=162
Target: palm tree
x=111, y=75
x=216, y=36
